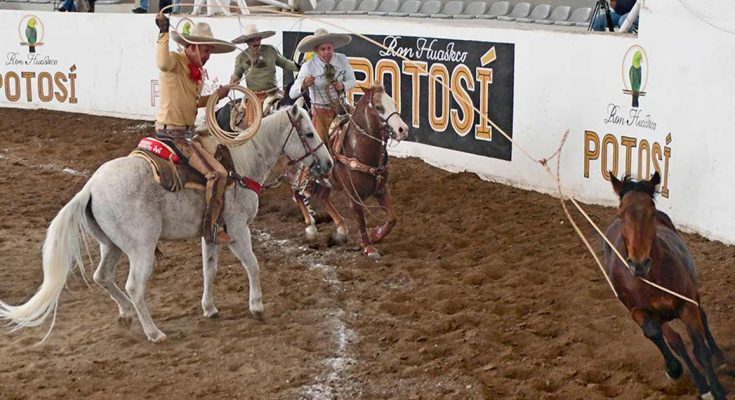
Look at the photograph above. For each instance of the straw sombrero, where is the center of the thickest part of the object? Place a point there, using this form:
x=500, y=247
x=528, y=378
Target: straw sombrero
x=251, y=32
x=320, y=37
x=201, y=33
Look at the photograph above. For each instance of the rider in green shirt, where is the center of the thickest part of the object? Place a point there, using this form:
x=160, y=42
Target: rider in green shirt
x=258, y=63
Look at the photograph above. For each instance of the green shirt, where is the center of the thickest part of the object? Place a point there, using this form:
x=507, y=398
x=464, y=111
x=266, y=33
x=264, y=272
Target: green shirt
x=260, y=78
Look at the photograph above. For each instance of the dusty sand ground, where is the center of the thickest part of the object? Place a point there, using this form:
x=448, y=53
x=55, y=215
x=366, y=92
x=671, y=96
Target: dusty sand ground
x=483, y=292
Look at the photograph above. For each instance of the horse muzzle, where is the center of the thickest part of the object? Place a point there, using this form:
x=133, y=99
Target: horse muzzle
x=318, y=170
x=639, y=269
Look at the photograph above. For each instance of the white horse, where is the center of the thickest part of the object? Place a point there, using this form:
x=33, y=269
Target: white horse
x=126, y=211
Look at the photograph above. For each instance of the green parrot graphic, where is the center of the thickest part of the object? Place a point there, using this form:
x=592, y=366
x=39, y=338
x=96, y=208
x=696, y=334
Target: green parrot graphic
x=31, y=35
x=186, y=29
x=635, y=74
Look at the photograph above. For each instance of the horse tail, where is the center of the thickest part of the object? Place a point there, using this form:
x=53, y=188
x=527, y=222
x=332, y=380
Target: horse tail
x=61, y=250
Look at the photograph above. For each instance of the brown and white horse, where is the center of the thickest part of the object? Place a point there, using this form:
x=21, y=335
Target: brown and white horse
x=361, y=168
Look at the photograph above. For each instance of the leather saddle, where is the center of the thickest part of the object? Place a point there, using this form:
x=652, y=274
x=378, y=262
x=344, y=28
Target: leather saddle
x=170, y=167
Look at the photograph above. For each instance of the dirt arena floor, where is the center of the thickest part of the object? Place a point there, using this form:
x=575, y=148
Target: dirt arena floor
x=483, y=292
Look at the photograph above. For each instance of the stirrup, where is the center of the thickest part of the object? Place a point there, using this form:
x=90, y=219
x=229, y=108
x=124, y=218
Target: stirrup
x=222, y=238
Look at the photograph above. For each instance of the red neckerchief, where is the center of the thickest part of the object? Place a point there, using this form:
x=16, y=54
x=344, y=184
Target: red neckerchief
x=195, y=73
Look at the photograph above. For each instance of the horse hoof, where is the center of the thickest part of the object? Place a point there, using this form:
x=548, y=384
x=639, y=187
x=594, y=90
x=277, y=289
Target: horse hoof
x=311, y=232
x=214, y=315
x=257, y=315
x=158, y=337
x=675, y=372
x=707, y=396
x=371, y=252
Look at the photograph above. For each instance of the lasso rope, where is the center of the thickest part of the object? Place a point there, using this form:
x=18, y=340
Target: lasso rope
x=228, y=138
x=542, y=162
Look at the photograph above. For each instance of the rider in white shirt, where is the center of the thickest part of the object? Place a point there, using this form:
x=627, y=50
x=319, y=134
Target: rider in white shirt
x=325, y=76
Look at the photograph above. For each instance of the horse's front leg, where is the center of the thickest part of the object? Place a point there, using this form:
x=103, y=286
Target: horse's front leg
x=386, y=203
x=242, y=248
x=341, y=235
x=302, y=202
x=652, y=329
x=367, y=248
x=210, y=255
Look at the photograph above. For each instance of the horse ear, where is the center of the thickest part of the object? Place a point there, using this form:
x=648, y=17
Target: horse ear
x=655, y=180
x=616, y=184
x=294, y=111
x=299, y=102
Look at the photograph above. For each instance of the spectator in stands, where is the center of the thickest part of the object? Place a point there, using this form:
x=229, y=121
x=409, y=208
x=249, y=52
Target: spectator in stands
x=619, y=12
x=142, y=7
x=77, y=5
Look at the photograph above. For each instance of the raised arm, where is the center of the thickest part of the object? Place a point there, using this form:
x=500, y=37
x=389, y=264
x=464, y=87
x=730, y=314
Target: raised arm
x=164, y=58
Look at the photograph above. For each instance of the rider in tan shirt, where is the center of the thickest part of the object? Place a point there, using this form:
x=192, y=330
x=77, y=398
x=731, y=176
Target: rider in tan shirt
x=181, y=81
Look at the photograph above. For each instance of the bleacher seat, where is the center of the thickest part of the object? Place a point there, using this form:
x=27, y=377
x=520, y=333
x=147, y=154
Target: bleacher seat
x=343, y=7
x=408, y=7
x=365, y=7
x=541, y=11
x=520, y=10
x=450, y=9
x=387, y=6
x=560, y=13
x=322, y=7
x=473, y=10
x=427, y=9
x=579, y=17
x=496, y=10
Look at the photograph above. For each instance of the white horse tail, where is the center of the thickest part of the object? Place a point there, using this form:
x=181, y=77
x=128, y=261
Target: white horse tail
x=61, y=250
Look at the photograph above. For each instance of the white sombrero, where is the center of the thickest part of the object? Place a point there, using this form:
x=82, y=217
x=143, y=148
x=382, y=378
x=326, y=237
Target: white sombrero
x=320, y=37
x=201, y=33
x=251, y=32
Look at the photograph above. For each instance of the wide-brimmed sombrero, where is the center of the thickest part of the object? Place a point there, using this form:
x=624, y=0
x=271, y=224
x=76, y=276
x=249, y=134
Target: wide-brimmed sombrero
x=321, y=36
x=201, y=33
x=251, y=32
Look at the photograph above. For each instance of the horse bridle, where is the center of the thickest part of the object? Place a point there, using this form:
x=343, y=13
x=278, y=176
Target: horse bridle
x=384, y=128
x=308, y=150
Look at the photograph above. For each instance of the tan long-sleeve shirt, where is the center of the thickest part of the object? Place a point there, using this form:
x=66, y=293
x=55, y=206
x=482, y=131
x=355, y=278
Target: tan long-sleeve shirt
x=179, y=94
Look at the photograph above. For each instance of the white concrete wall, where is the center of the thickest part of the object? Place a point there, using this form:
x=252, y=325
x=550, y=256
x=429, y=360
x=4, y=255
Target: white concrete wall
x=563, y=81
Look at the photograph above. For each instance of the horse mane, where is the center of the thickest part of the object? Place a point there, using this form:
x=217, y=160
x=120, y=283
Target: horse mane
x=631, y=185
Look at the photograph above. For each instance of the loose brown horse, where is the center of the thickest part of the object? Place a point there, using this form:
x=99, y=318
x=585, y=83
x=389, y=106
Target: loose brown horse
x=646, y=237
x=361, y=168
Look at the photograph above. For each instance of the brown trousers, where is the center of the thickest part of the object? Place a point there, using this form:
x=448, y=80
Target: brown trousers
x=322, y=119
x=205, y=163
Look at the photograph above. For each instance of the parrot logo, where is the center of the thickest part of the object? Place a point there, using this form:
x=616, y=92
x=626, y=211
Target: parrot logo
x=31, y=34
x=635, y=73
x=186, y=29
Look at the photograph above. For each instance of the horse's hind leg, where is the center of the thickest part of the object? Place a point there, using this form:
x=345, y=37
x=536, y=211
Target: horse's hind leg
x=340, y=236
x=242, y=247
x=716, y=352
x=653, y=330
x=105, y=277
x=692, y=318
x=377, y=234
x=210, y=254
x=141, y=267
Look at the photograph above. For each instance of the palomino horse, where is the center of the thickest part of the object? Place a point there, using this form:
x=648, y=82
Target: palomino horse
x=361, y=167
x=646, y=237
x=126, y=211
